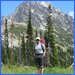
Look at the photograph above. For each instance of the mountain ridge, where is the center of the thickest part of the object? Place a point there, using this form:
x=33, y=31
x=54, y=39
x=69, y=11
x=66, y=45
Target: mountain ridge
x=62, y=22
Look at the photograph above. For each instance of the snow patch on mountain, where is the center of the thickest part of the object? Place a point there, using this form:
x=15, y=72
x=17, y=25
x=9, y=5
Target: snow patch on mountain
x=71, y=13
x=44, y=3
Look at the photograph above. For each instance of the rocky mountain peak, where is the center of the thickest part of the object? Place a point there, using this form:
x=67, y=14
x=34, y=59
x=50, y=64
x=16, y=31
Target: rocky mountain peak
x=62, y=22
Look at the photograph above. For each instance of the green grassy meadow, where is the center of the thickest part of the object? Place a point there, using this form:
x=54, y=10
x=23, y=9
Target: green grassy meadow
x=32, y=70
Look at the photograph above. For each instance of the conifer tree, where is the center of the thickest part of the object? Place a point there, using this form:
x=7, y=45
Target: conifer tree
x=7, y=53
x=47, y=50
x=23, y=51
x=3, y=54
x=30, y=38
x=51, y=39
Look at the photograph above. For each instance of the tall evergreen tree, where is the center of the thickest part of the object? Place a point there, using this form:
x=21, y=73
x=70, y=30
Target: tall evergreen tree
x=47, y=49
x=3, y=53
x=51, y=39
x=7, y=52
x=30, y=38
x=23, y=52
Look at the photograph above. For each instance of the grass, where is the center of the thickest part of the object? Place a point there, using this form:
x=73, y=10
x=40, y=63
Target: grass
x=32, y=70
x=57, y=70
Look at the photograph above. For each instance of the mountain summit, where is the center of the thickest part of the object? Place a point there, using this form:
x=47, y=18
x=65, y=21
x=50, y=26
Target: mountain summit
x=62, y=22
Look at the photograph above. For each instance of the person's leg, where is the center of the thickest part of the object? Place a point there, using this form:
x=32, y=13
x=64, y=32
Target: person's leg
x=41, y=65
x=38, y=70
x=42, y=70
x=38, y=65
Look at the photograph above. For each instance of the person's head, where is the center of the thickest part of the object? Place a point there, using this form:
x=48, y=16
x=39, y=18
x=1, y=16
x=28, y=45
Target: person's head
x=37, y=39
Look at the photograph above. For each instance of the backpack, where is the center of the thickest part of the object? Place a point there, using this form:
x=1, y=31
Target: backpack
x=42, y=40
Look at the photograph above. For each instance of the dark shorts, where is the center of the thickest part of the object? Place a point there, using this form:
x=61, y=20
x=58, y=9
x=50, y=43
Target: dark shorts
x=39, y=60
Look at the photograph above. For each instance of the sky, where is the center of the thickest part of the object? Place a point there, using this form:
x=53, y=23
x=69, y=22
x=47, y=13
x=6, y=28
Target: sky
x=8, y=7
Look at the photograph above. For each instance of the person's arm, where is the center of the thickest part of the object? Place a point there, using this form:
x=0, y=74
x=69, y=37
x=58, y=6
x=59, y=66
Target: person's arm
x=44, y=50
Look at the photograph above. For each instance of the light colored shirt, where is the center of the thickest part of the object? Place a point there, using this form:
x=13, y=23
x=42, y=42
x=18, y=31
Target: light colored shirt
x=38, y=48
